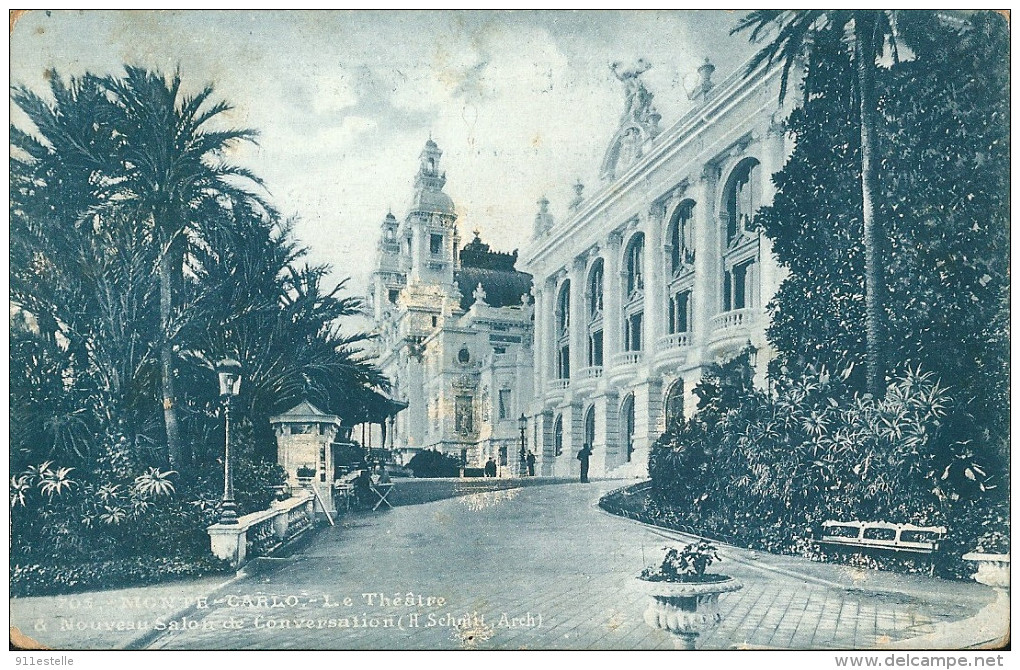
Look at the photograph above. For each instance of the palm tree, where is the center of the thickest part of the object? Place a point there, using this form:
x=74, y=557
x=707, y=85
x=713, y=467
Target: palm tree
x=170, y=163
x=869, y=30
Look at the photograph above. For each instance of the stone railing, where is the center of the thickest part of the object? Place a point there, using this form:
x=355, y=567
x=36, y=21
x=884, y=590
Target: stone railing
x=262, y=533
x=556, y=386
x=737, y=318
x=674, y=341
x=625, y=358
x=502, y=359
x=593, y=372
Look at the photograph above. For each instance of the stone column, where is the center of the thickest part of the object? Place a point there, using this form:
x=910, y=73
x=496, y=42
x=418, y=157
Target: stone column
x=647, y=420
x=578, y=320
x=612, y=298
x=707, y=296
x=539, y=345
x=773, y=157
x=549, y=333
x=606, y=450
x=655, y=274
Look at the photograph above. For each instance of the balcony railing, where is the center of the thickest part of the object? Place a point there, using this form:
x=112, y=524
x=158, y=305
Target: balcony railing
x=594, y=372
x=557, y=385
x=735, y=319
x=625, y=358
x=674, y=341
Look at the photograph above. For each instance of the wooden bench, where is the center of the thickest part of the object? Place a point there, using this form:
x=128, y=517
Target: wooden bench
x=881, y=535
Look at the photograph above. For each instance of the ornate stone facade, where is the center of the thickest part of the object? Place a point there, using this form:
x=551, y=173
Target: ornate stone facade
x=655, y=275
x=454, y=329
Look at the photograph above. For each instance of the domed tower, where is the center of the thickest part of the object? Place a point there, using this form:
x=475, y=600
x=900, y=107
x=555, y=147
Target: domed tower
x=431, y=223
x=389, y=276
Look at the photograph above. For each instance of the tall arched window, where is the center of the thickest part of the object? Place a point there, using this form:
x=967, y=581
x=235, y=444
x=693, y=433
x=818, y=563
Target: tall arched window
x=595, y=281
x=633, y=310
x=558, y=435
x=680, y=257
x=741, y=199
x=627, y=426
x=675, y=404
x=635, y=264
x=562, y=338
x=681, y=238
x=589, y=426
x=595, y=323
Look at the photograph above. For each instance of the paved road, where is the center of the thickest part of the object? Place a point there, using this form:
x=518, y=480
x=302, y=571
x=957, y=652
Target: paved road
x=543, y=568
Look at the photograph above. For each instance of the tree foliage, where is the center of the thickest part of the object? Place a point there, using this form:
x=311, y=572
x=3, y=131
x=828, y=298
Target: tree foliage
x=139, y=259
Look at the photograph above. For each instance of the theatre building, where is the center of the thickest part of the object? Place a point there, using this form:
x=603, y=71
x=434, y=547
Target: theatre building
x=655, y=275
x=454, y=332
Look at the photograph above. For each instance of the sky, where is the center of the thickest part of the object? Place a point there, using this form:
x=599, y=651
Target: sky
x=522, y=103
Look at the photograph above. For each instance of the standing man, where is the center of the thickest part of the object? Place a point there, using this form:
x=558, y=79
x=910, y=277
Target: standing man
x=584, y=455
x=531, y=464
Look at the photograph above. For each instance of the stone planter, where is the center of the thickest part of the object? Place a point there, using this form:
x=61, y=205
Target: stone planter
x=992, y=569
x=685, y=609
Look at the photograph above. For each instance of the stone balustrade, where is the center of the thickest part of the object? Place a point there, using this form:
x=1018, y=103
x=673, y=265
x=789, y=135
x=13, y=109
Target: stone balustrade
x=736, y=319
x=625, y=358
x=673, y=341
x=262, y=533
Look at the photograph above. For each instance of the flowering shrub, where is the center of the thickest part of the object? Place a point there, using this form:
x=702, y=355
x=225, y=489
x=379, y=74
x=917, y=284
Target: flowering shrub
x=764, y=469
x=688, y=565
x=113, y=525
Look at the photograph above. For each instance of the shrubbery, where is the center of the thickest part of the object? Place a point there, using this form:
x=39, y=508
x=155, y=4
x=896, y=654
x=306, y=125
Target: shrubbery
x=431, y=463
x=107, y=526
x=765, y=469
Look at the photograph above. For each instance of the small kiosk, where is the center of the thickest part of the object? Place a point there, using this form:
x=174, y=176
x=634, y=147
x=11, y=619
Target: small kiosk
x=304, y=440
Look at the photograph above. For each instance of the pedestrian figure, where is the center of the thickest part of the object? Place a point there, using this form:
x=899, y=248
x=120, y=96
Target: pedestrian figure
x=584, y=455
x=490, y=468
x=531, y=464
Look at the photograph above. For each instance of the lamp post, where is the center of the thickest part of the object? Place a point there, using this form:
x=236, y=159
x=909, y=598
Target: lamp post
x=229, y=372
x=522, y=423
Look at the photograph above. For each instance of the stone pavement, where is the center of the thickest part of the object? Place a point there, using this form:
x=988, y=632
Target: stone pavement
x=543, y=568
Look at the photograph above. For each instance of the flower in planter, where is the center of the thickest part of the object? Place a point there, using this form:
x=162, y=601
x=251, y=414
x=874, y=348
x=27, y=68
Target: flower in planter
x=688, y=565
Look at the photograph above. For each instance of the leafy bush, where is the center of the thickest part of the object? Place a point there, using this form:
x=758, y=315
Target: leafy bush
x=109, y=526
x=688, y=565
x=44, y=579
x=431, y=463
x=765, y=469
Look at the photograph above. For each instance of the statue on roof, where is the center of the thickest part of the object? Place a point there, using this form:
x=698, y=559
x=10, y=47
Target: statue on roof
x=638, y=124
x=479, y=294
x=544, y=219
x=638, y=98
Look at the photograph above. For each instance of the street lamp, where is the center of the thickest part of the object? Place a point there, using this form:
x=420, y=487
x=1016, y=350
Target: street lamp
x=522, y=423
x=229, y=372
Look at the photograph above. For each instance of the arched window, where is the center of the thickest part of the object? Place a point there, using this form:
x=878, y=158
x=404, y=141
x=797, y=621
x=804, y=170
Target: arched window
x=633, y=311
x=595, y=280
x=634, y=265
x=742, y=198
x=589, y=426
x=681, y=238
x=627, y=426
x=675, y=404
x=562, y=338
x=595, y=324
x=558, y=435
x=563, y=309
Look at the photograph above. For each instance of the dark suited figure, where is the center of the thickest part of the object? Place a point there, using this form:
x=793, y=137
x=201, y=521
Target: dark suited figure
x=490, y=468
x=584, y=456
x=531, y=464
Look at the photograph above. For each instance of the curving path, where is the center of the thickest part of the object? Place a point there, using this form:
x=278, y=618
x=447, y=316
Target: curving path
x=544, y=568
